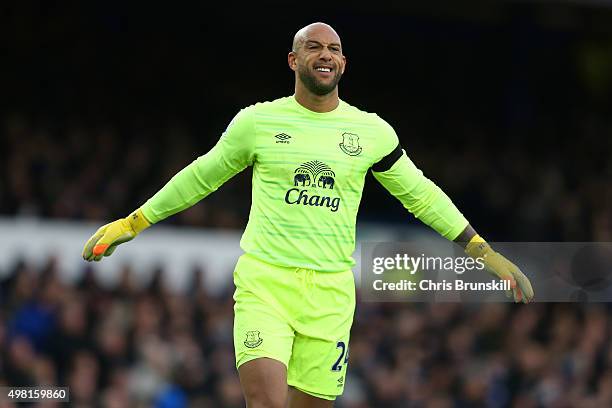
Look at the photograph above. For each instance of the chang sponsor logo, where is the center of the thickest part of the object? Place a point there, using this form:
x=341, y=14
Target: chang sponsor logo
x=317, y=176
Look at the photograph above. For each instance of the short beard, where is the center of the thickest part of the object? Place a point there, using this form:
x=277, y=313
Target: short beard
x=314, y=85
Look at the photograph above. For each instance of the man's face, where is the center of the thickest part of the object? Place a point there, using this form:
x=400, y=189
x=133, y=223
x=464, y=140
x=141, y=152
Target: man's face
x=318, y=60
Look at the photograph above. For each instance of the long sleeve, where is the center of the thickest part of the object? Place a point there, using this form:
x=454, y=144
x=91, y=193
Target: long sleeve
x=233, y=153
x=421, y=196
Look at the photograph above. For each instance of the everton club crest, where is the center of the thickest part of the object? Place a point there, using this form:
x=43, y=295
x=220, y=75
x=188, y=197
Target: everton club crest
x=350, y=144
x=252, y=339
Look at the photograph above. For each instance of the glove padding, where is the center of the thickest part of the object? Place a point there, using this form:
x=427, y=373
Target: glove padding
x=501, y=267
x=108, y=237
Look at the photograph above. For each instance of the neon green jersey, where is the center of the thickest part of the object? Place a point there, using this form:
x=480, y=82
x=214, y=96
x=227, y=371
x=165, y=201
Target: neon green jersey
x=308, y=175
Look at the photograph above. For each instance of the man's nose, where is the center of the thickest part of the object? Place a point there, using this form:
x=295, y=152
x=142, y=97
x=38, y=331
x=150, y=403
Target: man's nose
x=325, y=54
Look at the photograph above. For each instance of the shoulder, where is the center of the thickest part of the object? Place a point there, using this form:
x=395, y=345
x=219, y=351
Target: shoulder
x=249, y=113
x=253, y=114
x=245, y=121
x=369, y=117
x=384, y=130
x=386, y=139
x=268, y=106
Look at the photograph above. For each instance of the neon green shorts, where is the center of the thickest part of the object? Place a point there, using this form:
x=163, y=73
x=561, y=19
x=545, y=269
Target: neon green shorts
x=297, y=316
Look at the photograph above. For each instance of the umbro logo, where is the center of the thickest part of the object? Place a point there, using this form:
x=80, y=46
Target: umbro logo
x=282, y=138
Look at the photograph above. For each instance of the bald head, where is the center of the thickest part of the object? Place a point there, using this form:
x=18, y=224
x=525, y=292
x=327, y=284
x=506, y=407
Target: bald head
x=314, y=29
x=317, y=59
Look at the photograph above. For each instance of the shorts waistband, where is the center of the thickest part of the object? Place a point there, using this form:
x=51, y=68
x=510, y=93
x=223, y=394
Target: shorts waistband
x=291, y=268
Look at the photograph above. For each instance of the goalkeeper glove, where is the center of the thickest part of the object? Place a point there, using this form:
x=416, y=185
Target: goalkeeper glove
x=105, y=240
x=499, y=266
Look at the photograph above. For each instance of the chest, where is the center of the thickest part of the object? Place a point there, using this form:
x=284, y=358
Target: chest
x=324, y=156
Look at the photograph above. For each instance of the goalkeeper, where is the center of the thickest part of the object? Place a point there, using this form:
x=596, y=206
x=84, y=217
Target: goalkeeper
x=295, y=292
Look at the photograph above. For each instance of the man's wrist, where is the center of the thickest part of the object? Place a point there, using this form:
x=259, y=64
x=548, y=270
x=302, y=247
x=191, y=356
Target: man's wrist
x=465, y=236
x=476, y=239
x=138, y=221
x=477, y=247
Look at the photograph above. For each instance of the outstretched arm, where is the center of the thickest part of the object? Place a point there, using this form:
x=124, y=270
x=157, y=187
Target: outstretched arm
x=233, y=152
x=419, y=195
x=427, y=202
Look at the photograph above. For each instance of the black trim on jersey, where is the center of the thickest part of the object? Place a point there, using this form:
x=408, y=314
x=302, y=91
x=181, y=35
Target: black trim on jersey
x=388, y=161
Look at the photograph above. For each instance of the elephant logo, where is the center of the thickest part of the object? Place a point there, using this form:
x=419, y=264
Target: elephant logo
x=326, y=181
x=350, y=144
x=315, y=174
x=252, y=339
x=301, y=178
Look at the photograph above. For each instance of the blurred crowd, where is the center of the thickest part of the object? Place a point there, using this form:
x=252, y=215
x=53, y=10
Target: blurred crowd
x=97, y=173
x=141, y=345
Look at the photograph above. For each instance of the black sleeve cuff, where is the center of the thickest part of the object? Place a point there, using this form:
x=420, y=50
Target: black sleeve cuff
x=388, y=161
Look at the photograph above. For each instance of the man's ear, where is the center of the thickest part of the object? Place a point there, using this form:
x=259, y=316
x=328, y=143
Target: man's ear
x=344, y=65
x=292, y=60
